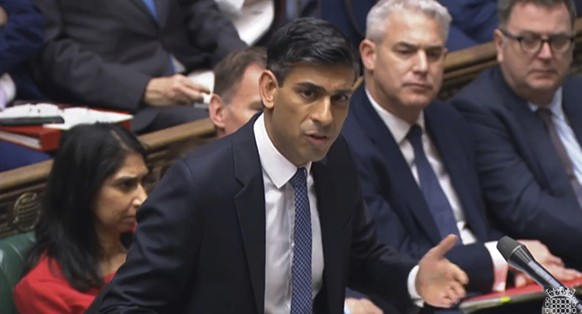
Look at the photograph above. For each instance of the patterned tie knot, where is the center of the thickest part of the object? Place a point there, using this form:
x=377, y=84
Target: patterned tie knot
x=545, y=114
x=414, y=134
x=299, y=178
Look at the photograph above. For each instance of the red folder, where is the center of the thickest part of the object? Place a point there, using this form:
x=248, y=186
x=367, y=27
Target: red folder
x=35, y=136
x=513, y=295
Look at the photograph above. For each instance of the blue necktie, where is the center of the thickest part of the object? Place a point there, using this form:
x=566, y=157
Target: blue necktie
x=152, y=7
x=301, y=302
x=436, y=199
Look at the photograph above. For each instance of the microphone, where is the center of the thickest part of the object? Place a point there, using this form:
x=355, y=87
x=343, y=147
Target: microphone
x=518, y=256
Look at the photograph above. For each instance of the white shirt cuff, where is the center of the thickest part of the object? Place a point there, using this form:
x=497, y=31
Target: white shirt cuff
x=8, y=89
x=500, y=267
x=347, y=309
x=412, y=284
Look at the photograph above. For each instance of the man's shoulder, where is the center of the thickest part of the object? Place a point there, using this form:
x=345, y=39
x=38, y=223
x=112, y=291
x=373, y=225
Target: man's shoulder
x=481, y=87
x=487, y=92
x=573, y=83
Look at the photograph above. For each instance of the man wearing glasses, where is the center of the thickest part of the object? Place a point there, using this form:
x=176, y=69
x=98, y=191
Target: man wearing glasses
x=526, y=115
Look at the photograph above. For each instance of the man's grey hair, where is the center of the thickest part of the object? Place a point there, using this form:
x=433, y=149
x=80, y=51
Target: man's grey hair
x=378, y=17
x=505, y=7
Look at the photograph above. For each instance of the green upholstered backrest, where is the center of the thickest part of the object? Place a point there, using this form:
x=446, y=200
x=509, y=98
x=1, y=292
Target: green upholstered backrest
x=12, y=253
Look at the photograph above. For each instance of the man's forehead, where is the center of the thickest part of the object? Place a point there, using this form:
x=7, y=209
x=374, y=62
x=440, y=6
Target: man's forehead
x=424, y=46
x=324, y=76
x=427, y=32
x=531, y=17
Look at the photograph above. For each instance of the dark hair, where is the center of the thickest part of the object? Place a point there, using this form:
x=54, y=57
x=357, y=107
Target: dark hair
x=504, y=8
x=87, y=156
x=312, y=41
x=229, y=71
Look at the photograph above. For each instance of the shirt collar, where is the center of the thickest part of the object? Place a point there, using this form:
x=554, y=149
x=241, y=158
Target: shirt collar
x=555, y=105
x=276, y=166
x=398, y=127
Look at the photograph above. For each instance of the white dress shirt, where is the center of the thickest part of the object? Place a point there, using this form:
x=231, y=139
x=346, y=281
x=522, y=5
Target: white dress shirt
x=280, y=220
x=565, y=132
x=399, y=129
x=7, y=90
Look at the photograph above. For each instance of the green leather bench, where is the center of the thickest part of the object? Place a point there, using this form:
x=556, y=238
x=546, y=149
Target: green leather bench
x=12, y=253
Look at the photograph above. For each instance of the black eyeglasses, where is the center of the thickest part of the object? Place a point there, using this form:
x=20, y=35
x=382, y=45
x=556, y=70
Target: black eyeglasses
x=532, y=43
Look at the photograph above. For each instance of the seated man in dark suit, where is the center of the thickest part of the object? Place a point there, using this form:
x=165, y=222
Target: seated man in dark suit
x=20, y=40
x=236, y=89
x=413, y=154
x=121, y=55
x=527, y=120
x=270, y=219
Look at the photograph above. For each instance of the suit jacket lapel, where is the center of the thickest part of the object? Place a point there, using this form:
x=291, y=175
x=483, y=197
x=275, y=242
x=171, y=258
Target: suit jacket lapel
x=330, y=228
x=144, y=9
x=163, y=8
x=406, y=186
x=250, y=206
x=572, y=108
x=453, y=158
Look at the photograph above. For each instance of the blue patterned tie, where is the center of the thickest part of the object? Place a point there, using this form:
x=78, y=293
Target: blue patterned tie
x=152, y=7
x=436, y=199
x=301, y=268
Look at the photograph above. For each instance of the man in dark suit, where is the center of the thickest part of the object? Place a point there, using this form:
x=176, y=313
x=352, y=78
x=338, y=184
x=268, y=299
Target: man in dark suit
x=235, y=99
x=414, y=154
x=119, y=54
x=527, y=121
x=270, y=218
x=20, y=40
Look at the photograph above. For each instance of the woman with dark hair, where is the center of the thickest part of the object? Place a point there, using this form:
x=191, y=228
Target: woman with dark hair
x=93, y=192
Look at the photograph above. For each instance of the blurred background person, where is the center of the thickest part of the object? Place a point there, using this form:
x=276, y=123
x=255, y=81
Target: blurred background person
x=236, y=95
x=137, y=67
x=526, y=116
x=20, y=39
x=88, y=217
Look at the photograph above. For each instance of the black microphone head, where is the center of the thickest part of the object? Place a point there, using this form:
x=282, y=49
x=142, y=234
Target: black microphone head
x=507, y=246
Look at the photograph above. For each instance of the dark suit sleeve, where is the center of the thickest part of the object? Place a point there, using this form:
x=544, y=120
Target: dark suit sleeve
x=209, y=29
x=373, y=267
x=514, y=196
x=162, y=258
x=21, y=37
x=83, y=73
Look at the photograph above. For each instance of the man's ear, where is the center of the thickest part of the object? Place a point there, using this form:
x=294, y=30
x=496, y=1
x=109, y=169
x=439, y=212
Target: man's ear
x=498, y=40
x=368, y=54
x=268, y=89
x=216, y=111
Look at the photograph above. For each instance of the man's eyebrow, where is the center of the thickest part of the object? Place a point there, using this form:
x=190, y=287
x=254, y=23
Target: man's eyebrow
x=309, y=85
x=411, y=45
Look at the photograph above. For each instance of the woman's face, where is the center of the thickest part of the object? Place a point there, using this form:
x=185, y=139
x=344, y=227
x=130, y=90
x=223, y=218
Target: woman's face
x=121, y=195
